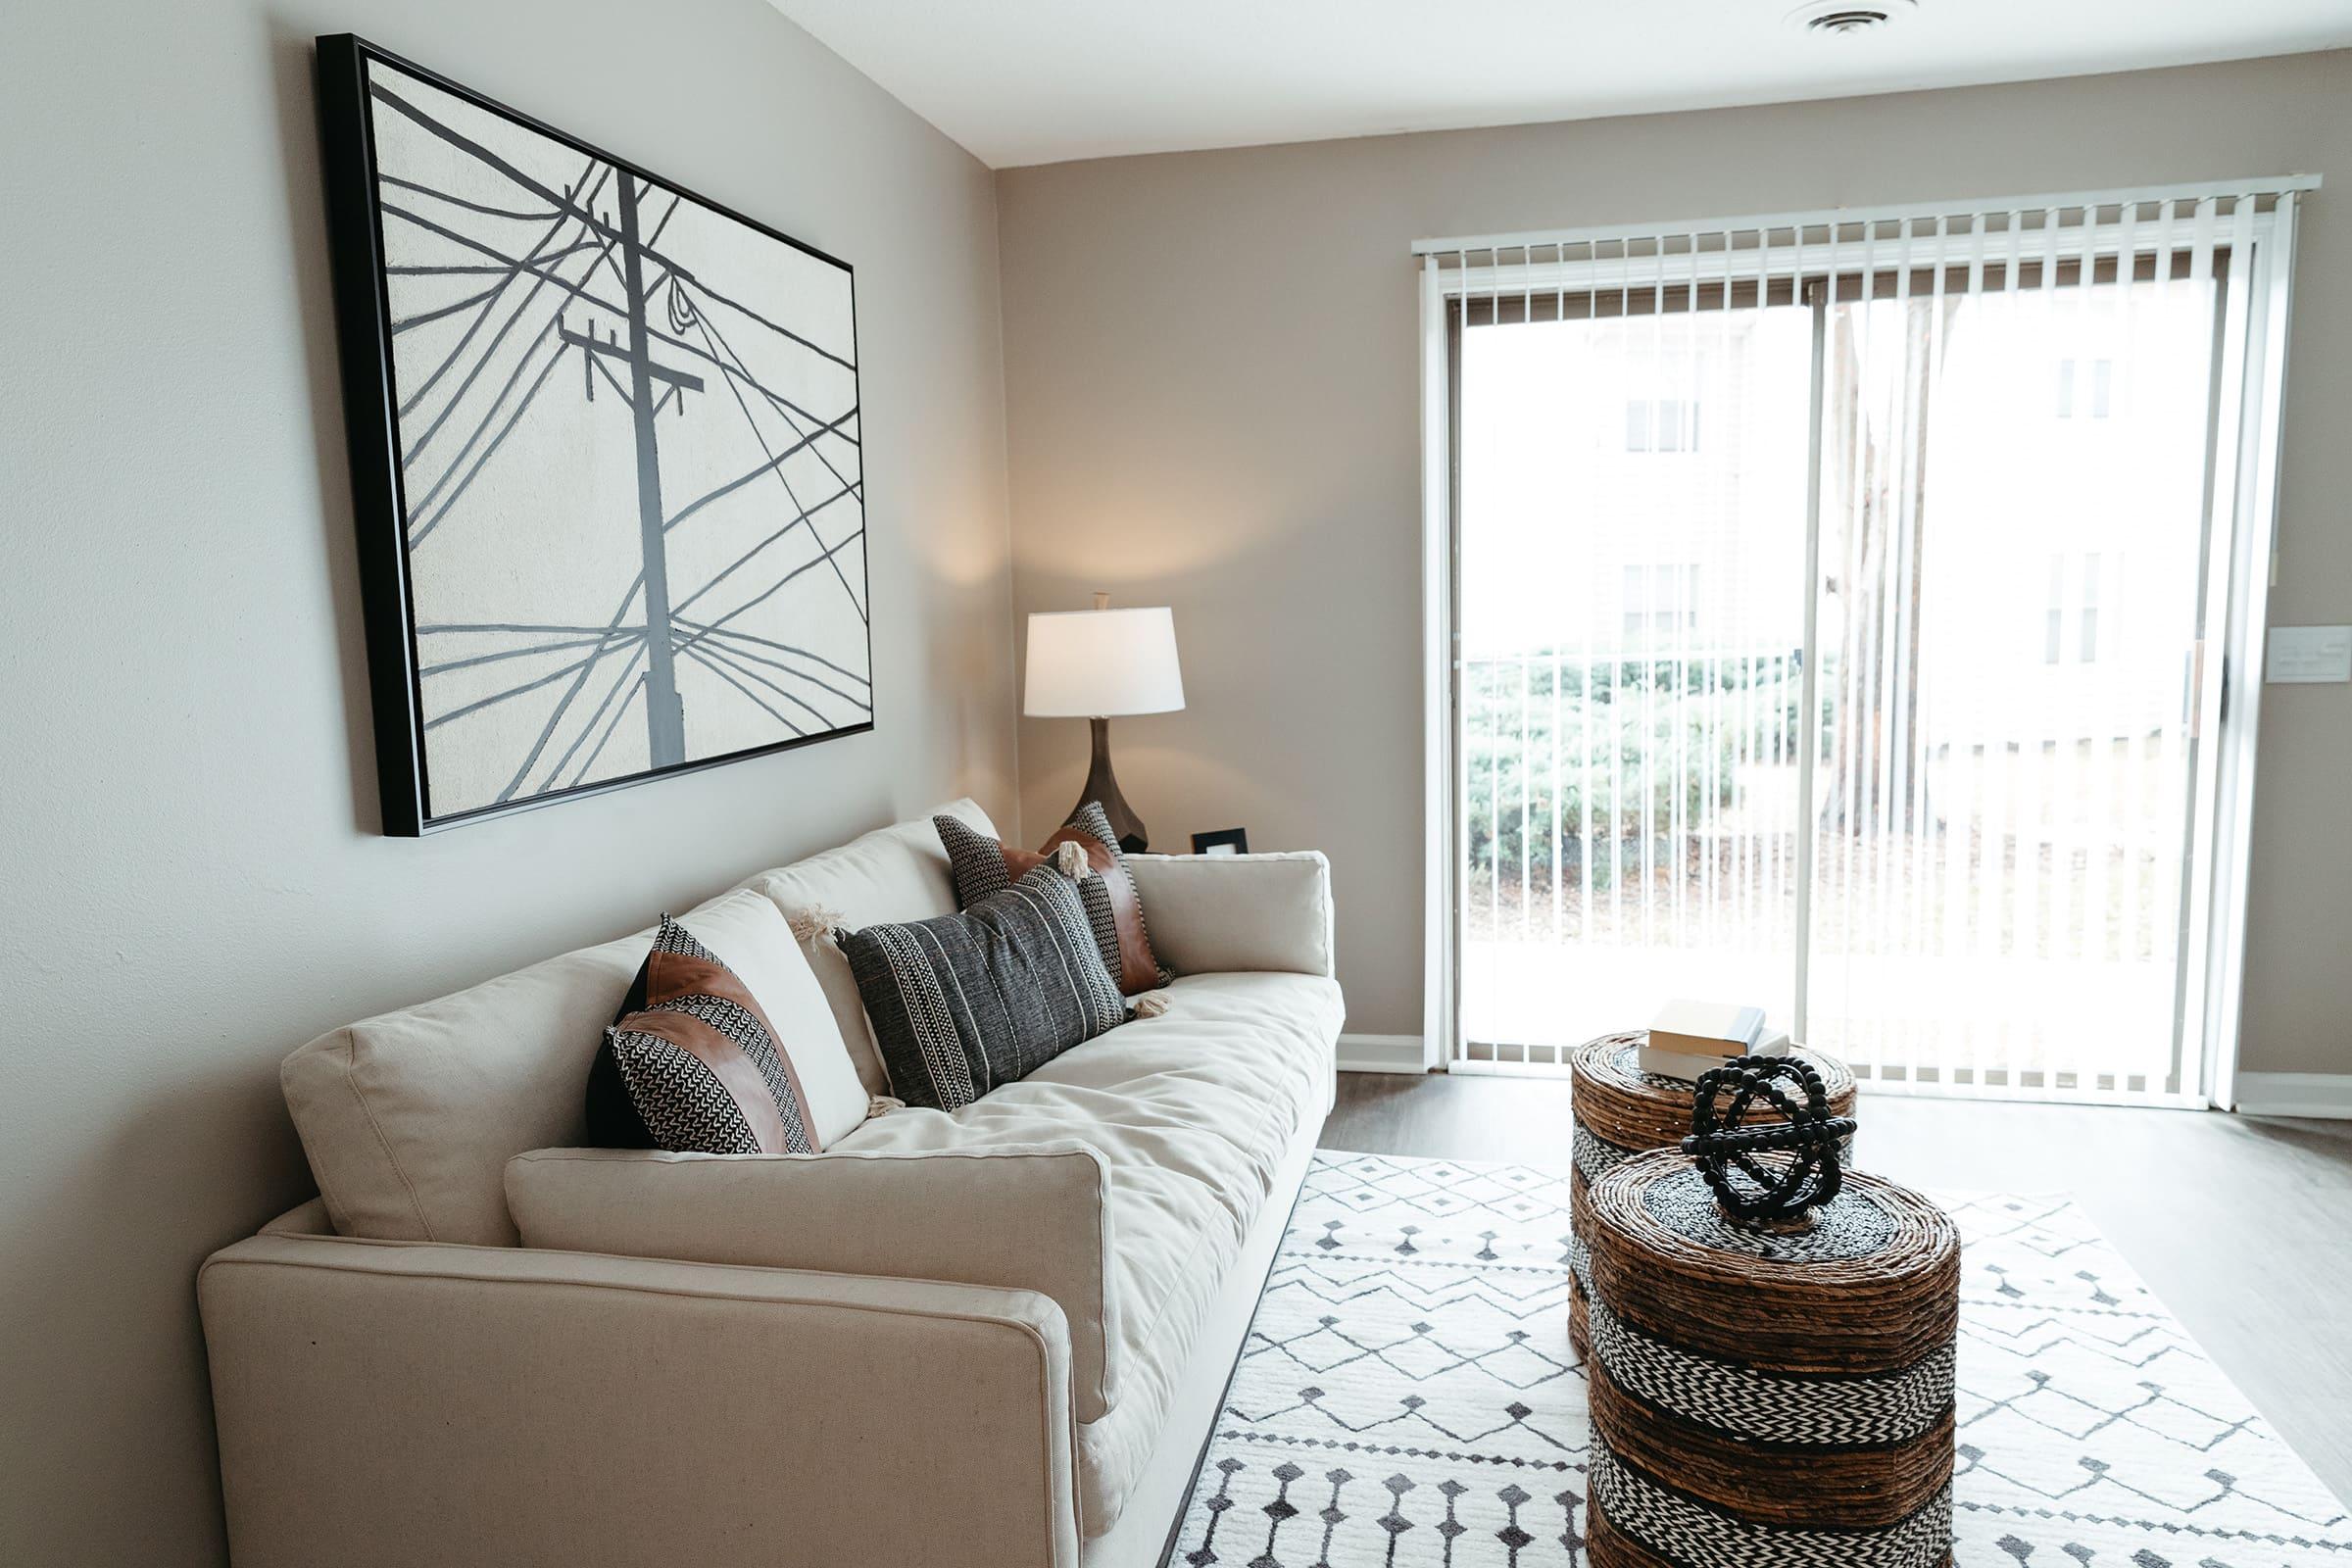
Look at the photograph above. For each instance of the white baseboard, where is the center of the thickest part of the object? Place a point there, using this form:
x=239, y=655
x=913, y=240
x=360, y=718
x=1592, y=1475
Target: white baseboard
x=1381, y=1053
x=2325, y=1094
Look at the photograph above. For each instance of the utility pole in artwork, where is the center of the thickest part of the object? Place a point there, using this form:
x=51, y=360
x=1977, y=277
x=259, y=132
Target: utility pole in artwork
x=664, y=715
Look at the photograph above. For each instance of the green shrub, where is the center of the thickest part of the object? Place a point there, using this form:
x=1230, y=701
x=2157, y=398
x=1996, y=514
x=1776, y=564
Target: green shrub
x=1625, y=709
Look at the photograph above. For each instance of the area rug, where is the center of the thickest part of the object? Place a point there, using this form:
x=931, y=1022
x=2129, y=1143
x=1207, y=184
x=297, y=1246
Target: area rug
x=1406, y=1396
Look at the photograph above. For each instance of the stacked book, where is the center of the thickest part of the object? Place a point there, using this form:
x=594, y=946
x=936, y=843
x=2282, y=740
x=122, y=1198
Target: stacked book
x=1689, y=1038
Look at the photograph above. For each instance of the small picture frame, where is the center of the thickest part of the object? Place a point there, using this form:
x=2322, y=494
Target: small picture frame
x=1225, y=841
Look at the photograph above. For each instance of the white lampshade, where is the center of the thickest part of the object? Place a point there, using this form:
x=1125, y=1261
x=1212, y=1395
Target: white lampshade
x=1097, y=663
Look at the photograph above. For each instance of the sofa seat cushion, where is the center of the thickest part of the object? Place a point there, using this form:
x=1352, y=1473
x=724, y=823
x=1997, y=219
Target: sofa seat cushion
x=1192, y=1111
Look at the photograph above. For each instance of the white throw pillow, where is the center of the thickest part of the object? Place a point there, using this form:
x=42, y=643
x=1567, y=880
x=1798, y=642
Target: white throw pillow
x=751, y=936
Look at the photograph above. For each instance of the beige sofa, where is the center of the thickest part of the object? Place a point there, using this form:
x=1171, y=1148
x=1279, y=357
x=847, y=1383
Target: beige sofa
x=996, y=1337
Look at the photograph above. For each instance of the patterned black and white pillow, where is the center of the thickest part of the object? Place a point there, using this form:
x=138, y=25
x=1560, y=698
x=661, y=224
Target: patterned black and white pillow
x=692, y=1064
x=962, y=1003
x=975, y=861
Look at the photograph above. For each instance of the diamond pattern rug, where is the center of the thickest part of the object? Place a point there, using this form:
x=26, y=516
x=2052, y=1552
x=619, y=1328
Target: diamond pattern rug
x=1406, y=1396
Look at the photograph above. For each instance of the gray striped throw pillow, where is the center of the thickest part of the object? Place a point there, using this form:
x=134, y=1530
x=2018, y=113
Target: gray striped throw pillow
x=962, y=1003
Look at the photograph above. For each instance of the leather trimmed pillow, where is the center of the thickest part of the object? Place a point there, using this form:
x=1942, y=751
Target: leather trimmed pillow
x=961, y=1004
x=1115, y=910
x=751, y=935
x=709, y=1057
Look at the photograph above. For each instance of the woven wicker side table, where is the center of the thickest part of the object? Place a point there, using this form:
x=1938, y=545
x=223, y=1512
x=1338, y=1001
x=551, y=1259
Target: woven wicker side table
x=1769, y=1398
x=1618, y=1110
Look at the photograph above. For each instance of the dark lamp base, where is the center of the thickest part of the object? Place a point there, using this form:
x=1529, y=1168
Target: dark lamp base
x=1103, y=786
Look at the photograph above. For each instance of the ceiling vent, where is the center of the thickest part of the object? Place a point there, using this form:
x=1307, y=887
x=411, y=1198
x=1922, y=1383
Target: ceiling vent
x=1845, y=19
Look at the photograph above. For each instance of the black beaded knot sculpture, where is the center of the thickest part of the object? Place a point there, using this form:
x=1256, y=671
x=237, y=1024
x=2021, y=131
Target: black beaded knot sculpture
x=1805, y=1170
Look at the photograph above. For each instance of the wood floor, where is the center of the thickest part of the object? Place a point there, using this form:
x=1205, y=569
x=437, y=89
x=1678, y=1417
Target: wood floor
x=2243, y=1226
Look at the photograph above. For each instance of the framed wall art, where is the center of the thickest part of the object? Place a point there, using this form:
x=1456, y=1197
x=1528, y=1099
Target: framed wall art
x=605, y=455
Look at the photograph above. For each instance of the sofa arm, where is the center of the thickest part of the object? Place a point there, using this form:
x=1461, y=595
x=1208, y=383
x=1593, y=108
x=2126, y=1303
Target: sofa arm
x=1214, y=912
x=405, y=1403
x=1023, y=1216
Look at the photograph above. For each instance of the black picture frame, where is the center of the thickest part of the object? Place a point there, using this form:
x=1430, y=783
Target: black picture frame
x=364, y=328
x=1224, y=841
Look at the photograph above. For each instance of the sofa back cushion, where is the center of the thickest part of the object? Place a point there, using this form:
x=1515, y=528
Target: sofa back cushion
x=897, y=873
x=409, y=1119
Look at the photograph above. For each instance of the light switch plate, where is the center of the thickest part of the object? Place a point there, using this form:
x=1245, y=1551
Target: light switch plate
x=2308, y=653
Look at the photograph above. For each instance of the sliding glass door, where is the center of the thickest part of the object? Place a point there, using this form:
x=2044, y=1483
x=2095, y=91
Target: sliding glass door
x=1632, y=612
x=2012, y=543
x=1828, y=632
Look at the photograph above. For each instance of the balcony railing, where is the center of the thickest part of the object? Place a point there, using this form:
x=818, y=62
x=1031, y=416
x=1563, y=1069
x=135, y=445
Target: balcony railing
x=1983, y=907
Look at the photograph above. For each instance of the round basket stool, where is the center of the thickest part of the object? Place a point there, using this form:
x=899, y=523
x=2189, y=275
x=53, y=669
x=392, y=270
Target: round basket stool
x=1769, y=1396
x=1618, y=1110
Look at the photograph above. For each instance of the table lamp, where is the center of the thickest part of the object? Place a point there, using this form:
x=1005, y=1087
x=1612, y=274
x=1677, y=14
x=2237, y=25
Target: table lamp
x=1097, y=664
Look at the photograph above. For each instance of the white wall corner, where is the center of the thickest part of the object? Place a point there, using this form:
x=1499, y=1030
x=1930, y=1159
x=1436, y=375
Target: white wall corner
x=2325, y=1094
x=1381, y=1053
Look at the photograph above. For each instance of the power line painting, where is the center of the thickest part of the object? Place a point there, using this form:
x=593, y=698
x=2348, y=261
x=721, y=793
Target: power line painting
x=607, y=455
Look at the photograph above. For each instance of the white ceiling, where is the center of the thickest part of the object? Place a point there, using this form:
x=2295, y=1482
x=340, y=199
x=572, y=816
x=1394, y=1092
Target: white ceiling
x=1034, y=81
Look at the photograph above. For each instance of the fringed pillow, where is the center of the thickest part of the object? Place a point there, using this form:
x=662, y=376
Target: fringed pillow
x=961, y=1004
x=1087, y=851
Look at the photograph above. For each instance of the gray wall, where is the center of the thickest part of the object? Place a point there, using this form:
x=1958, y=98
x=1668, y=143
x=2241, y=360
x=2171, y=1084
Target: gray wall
x=1211, y=389
x=194, y=884
x=1213, y=405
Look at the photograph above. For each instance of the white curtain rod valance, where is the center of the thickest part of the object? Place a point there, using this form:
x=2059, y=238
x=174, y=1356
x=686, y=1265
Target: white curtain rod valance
x=2093, y=201
x=1644, y=263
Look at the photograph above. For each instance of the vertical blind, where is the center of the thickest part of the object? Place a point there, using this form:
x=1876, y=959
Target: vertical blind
x=1830, y=596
